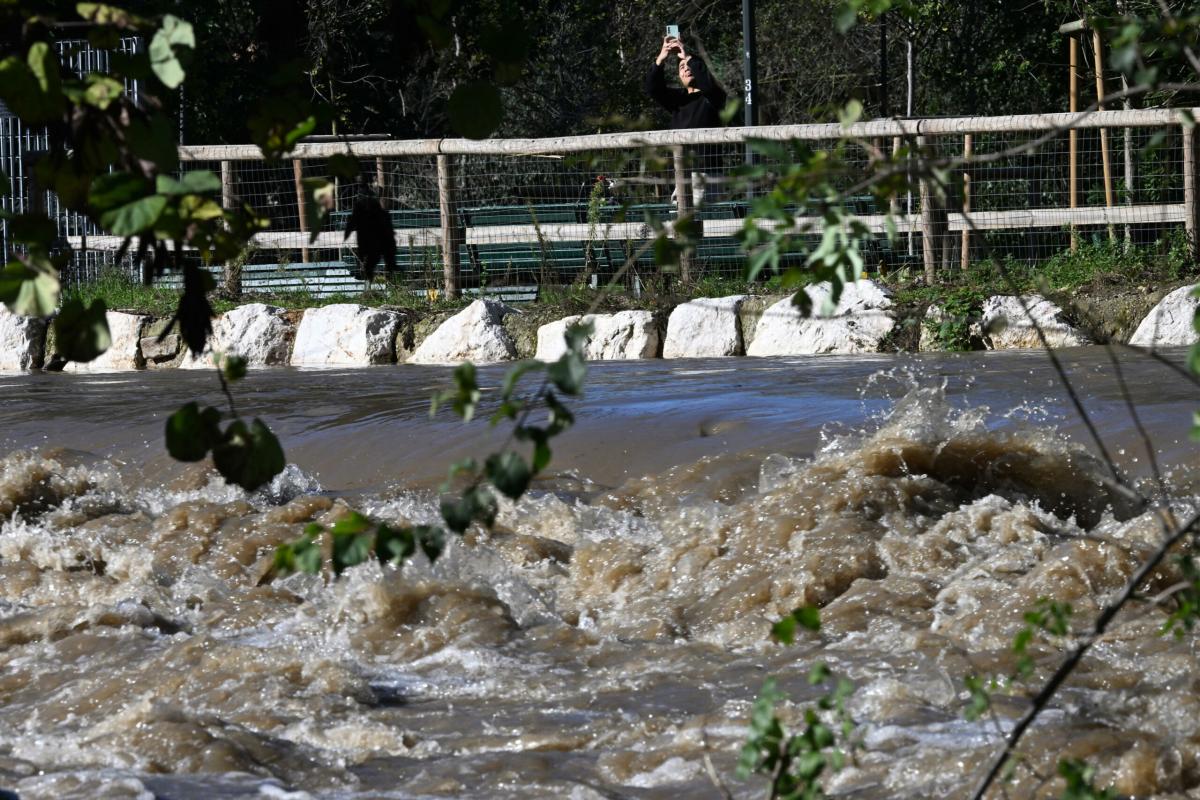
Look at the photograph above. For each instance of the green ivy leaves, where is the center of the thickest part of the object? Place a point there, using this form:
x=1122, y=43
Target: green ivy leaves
x=171, y=49
x=81, y=333
x=30, y=287
x=807, y=617
x=506, y=472
x=246, y=455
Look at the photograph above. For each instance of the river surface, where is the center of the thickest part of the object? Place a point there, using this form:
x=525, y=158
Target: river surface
x=609, y=638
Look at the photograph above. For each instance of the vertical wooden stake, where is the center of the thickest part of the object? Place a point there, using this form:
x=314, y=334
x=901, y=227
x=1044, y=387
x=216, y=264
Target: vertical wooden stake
x=894, y=202
x=1191, y=202
x=232, y=272
x=683, y=203
x=1098, y=50
x=381, y=181
x=1073, y=137
x=451, y=233
x=227, y=184
x=965, y=263
x=301, y=205
x=1130, y=173
x=929, y=249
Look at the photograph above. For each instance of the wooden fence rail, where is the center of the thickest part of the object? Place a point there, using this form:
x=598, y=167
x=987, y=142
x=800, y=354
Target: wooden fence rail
x=935, y=220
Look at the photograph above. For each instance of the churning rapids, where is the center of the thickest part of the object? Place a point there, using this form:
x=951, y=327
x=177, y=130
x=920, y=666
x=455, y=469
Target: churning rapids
x=615, y=629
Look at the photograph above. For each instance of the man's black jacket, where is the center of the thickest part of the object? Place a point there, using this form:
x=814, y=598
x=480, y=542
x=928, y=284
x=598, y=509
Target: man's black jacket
x=700, y=109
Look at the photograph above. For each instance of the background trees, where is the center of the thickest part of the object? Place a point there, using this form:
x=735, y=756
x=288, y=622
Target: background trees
x=576, y=67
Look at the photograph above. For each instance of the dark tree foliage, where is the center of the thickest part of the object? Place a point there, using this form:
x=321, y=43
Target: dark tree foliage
x=555, y=68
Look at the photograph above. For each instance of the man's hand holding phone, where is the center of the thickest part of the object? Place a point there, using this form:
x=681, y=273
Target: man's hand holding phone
x=671, y=45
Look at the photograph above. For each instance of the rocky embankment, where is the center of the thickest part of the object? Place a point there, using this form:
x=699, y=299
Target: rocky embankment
x=864, y=320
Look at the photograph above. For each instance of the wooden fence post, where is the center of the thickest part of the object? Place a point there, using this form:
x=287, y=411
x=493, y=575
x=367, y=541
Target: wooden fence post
x=1098, y=50
x=451, y=233
x=1191, y=202
x=1073, y=136
x=683, y=203
x=933, y=225
x=233, y=267
x=965, y=261
x=298, y=175
x=381, y=181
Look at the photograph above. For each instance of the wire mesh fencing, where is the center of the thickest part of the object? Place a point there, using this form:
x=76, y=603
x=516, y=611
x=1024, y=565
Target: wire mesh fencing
x=519, y=216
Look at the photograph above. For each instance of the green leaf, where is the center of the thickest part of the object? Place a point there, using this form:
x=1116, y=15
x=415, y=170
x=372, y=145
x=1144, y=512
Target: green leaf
x=191, y=433
x=275, y=137
x=43, y=65
x=153, y=139
x=33, y=229
x=541, y=455
x=308, y=558
x=394, y=544
x=432, y=540
x=201, y=181
x=808, y=617
x=248, y=455
x=851, y=113
x=732, y=108
x=514, y=375
x=475, y=109
x=561, y=417
x=136, y=217
x=30, y=291
x=350, y=549
x=111, y=16
x=102, y=91
x=352, y=523
x=762, y=258
x=568, y=373
x=233, y=367
x=20, y=90
x=578, y=335
x=343, y=165
x=784, y=631
x=846, y=17
x=482, y=503
x=980, y=701
x=81, y=334
x=467, y=398
x=117, y=197
x=171, y=46
x=320, y=195
x=457, y=513
x=509, y=473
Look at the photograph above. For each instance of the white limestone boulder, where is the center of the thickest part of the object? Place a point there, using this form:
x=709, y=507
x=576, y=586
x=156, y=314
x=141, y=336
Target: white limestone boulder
x=22, y=340
x=1169, y=324
x=705, y=328
x=257, y=332
x=345, y=334
x=621, y=336
x=474, y=334
x=125, y=352
x=859, y=323
x=1010, y=325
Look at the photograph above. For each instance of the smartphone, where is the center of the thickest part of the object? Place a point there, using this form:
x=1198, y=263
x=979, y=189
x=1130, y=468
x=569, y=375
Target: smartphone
x=673, y=31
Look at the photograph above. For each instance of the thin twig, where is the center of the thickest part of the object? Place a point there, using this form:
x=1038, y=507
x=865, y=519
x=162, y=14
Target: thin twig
x=225, y=388
x=712, y=771
x=1068, y=666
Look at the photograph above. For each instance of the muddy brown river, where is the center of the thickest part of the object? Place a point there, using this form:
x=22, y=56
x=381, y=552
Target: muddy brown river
x=609, y=638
